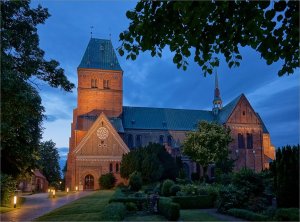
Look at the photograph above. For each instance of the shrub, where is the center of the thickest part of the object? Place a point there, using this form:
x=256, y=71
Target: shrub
x=8, y=186
x=228, y=198
x=246, y=214
x=130, y=206
x=287, y=214
x=194, y=202
x=135, y=181
x=165, y=190
x=107, y=181
x=190, y=189
x=168, y=209
x=195, y=176
x=113, y=212
x=174, y=189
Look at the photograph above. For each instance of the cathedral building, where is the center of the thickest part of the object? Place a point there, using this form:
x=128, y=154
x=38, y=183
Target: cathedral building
x=103, y=129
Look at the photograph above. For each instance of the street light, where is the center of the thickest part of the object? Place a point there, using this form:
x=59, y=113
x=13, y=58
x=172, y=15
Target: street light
x=15, y=201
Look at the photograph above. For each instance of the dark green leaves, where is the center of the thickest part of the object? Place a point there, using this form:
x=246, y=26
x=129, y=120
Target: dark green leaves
x=214, y=28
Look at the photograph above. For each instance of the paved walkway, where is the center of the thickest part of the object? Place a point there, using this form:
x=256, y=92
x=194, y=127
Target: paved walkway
x=222, y=217
x=39, y=204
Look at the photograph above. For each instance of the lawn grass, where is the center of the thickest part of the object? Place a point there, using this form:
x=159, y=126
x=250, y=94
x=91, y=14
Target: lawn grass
x=196, y=215
x=7, y=208
x=152, y=217
x=88, y=208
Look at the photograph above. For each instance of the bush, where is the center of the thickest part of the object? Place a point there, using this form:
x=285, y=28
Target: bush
x=229, y=197
x=195, y=176
x=174, y=189
x=190, y=190
x=130, y=206
x=168, y=209
x=287, y=214
x=8, y=187
x=165, y=190
x=246, y=214
x=107, y=181
x=194, y=202
x=135, y=181
x=113, y=212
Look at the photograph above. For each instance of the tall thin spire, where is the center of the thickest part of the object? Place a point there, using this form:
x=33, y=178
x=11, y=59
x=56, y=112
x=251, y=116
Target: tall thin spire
x=217, y=102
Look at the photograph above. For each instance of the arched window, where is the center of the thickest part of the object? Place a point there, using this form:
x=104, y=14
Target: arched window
x=249, y=141
x=161, y=139
x=130, y=141
x=117, y=168
x=169, y=140
x=241, y=143
x=110, y=167
x=138, y=141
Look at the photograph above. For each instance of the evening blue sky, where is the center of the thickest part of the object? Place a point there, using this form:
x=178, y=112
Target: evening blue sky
x=156, y=82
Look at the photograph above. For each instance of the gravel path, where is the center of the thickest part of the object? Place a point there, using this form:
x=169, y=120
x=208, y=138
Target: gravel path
x=39, y=204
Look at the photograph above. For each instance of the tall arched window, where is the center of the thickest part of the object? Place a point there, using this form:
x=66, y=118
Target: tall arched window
x=169, y=140
x=241, y=143
x=117, y=167
x=249, y=141
x=138, y=141
x=110, y=167
x=130, y=141
x=161, y=139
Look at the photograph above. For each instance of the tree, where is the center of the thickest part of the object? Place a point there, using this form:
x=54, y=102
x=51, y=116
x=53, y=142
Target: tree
x=208, y=144
x=49, y=161
x=211, y=28
x=285, y=170
x=21, y=119
x=22, y=60
x=153, y=162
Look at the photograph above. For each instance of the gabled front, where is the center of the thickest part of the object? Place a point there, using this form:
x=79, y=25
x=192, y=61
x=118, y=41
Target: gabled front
x=99, y=152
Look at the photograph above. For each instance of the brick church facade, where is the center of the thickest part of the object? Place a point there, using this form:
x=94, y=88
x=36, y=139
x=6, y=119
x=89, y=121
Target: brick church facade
x=103, y=129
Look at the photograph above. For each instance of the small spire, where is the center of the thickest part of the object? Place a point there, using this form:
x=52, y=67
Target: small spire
x=217, y=102
x=91, y=31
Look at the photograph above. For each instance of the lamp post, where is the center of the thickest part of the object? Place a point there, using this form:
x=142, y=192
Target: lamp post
x=67, y=189
x=15, y=201
x=76, y=188
x=53, y=193
x=254, y=159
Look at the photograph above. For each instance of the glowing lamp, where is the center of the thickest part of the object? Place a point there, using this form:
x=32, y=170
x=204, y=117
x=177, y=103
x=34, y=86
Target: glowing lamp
x=15, y=201
x=76, y=188
x=67, y=189
x=53, y=193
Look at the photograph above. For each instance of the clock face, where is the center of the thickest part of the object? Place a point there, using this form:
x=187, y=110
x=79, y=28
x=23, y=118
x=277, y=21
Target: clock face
x=102, y=133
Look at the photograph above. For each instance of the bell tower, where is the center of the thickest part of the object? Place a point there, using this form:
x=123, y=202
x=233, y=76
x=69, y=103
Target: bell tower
x=100, y=80
x=217, y=102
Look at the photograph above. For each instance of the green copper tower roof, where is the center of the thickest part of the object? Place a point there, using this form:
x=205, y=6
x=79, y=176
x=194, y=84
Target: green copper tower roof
x=100, y=54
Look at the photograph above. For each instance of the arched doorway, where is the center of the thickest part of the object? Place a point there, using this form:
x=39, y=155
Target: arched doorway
x=89, y=182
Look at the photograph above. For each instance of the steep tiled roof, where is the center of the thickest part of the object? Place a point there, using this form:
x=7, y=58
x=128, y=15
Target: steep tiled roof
x=163, y=118
x=100, y=54
x=265, y=130
x=227, y=110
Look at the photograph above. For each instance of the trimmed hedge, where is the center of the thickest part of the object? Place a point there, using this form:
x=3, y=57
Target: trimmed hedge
x=194, y=202
x=140, y=202
x=287, y=214
x=168, y=209
x=247, y=215
x=113, y=212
